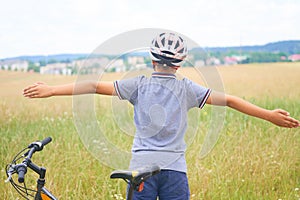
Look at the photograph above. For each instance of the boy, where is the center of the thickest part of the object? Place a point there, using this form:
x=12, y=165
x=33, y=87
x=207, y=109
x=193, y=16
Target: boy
x=160, y=105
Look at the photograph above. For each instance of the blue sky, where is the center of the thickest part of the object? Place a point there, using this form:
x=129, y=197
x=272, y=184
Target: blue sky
x=35, y=27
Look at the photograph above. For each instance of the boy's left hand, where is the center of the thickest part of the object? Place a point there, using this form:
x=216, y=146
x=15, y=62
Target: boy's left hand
x=282, y=118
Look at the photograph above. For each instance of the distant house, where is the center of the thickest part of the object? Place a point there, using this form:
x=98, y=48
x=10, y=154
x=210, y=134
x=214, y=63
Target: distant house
x=133, y=60
x=283, y=58
x=90, y=65
x=14, y=65
x=230, y=60
x=199, y=63
x=234, y=59
x=55, y=68
x=212, y=61
x=294, y=57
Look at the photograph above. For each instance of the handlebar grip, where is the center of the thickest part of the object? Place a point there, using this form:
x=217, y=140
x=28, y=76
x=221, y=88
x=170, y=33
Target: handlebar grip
x=21, y=170
x=46, y=141
x=39, y=145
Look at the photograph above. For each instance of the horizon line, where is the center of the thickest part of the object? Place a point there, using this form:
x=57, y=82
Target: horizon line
x=205, y=47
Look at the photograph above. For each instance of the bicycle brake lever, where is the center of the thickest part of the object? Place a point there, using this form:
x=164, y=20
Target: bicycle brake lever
x=8, y=178
x=10, y=172
x=37, y=145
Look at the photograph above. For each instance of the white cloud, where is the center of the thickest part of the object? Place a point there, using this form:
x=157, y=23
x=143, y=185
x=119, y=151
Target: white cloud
x=70, y=26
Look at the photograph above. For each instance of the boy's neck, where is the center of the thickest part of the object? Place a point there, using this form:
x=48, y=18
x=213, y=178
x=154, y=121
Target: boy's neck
x=169, y=70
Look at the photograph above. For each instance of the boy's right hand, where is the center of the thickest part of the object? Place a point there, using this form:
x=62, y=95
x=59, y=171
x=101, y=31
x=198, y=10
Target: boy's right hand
x=38, y=90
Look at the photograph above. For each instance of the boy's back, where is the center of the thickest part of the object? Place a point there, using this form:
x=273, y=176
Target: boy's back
x=160, y=104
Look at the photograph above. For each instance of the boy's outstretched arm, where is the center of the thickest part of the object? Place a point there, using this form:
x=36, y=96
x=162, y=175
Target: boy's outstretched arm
x=42, y=90
x=278, y=117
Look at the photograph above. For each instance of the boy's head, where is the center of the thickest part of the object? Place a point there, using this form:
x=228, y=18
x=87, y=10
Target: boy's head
x=168, y=50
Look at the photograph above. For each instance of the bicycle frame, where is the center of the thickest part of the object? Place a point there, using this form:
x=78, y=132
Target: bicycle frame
x=46, y=195
x=42, y=192
x=134, y=178
x=130, y=192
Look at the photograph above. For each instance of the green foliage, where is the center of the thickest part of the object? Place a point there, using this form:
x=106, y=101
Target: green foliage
x=51, y=61
x=43, y=63
x=265, y=57
x=33, y=67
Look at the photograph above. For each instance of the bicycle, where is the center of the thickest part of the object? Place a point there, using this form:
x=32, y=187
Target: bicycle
x=134, y=178
x=41, y=193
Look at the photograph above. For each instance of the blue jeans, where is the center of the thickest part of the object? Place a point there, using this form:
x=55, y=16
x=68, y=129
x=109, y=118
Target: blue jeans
x=167, y=185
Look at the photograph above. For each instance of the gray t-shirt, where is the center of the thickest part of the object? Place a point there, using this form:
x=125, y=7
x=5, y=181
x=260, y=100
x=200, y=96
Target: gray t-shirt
x=160, y=105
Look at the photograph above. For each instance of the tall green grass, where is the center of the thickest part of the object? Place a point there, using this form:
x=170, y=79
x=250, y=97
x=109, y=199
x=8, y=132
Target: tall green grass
x=252, y=159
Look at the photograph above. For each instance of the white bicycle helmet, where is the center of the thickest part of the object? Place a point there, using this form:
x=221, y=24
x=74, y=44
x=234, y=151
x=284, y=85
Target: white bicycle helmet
x=168, y=49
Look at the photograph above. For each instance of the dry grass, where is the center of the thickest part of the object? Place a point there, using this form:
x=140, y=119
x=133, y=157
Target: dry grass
x=252, y=159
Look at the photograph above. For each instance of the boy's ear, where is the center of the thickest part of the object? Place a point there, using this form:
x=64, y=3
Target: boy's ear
x=154, y=64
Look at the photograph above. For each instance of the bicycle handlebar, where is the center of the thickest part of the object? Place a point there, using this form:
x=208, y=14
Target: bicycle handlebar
x=21, y=169
x=46, y=141
x=21, y=163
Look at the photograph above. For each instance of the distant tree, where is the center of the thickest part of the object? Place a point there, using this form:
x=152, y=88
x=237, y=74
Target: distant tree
x=42, y=63
x=111, y=69
x=66, y=61
x=148, y=61
x=32, y=66
x=51, y=61
x=265, y=57
x=246, y=61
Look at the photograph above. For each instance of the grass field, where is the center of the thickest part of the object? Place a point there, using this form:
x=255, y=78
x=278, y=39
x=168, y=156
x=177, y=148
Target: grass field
x=252, y=159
